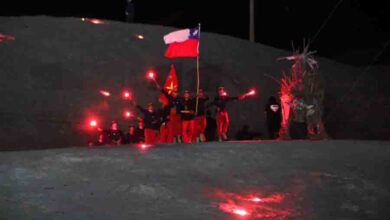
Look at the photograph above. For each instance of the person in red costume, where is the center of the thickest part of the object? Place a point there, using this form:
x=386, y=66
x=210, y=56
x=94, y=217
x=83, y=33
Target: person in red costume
x=222, y=116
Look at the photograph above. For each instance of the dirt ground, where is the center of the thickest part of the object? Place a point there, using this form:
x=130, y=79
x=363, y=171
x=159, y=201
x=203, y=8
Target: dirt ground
x=346, y=180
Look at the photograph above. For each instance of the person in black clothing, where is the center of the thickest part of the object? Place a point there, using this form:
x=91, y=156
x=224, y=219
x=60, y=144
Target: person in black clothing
x=114, y=135
x=164, y=130
x=273, y=113
x=220, y=102
x=200, y=118
x=187, y=114
x=97, y=137
x=140, y=131
x=211, y=127
x=131, y=136
x=152, y=123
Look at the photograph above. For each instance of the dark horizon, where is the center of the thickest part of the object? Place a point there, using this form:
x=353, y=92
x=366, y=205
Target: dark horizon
x=354, y=34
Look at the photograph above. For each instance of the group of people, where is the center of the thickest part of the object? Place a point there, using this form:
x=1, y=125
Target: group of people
x=183, y=118
x=114, y=136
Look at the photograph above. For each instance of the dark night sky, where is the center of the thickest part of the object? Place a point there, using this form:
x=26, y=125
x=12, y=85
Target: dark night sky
x=355, y=33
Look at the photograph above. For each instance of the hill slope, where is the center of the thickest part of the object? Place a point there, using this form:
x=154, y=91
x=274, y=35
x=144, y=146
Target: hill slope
x=52, y=71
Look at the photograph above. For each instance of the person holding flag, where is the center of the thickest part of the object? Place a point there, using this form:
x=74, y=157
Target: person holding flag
x=181, y=43
x=187, y=114
x=171, y=109
x=200, y=118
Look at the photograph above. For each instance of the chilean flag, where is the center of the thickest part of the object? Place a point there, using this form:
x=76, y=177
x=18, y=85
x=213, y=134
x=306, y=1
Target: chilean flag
x=182, y=43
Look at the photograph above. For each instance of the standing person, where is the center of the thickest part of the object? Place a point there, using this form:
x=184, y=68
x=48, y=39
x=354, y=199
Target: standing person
x=164, y=117
x=273, y=117
x=140, y=131
x=222, y=116
x=298, y=126
x=114, y=135
x=131, y=136
x=152, y=123
x=187, y=114
x=200, y=118
x=174, y=124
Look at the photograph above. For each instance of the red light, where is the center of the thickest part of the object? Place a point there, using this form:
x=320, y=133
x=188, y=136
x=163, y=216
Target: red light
x=104, y=93
x=93, y=20
x=144, y=146
x=126, y=95
x=240, y=212
x=151, y=75
x=252, y=92
x=224, y=94
x=127, y=114
x=93, y=123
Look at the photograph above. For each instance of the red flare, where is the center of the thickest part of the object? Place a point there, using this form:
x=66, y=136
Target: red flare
x=93, y=123
x=104, y=93
x=252, y=92
x=144, y=146
x=126, y=95
x=127, y=114
x=93, y=20
x=151, y=75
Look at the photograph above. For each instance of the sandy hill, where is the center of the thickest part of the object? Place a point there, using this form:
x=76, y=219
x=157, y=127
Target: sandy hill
x=51, y=73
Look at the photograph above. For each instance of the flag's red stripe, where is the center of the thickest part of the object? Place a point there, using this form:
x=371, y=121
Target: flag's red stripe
x=188, y=48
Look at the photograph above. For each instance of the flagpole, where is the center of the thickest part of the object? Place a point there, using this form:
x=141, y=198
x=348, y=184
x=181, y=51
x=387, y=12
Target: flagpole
x=197, y=75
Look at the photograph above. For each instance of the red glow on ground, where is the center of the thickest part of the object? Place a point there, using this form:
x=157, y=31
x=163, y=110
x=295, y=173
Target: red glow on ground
x=273, y=206
x=104, y=93
x=256, y=199
x=241, y=212
x=4, y=37
x=144, y=147
x=93, y=20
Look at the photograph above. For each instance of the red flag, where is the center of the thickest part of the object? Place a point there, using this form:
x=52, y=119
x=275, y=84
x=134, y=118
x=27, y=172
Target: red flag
x=171, y=85
x=182, y=43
